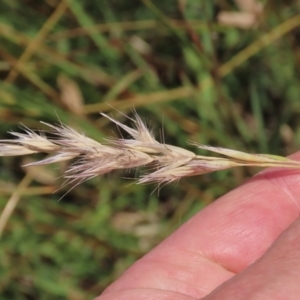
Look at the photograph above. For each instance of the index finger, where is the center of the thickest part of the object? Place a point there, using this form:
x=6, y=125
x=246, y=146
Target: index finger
x=221, y=240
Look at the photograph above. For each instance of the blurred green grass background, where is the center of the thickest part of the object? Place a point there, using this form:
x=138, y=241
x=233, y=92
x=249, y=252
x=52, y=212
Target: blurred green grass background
x=198, y=69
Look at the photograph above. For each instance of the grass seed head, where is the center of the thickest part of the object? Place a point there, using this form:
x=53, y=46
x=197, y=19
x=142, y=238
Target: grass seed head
x=166, y=163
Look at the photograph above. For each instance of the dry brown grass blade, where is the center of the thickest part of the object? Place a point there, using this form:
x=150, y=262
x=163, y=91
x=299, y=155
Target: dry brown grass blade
x=222, y=71
x=93, y=76
x=12, y=202
x=126, y=26
x=29, y=51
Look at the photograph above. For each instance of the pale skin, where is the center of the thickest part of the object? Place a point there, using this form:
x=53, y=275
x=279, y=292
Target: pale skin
x=245, y=245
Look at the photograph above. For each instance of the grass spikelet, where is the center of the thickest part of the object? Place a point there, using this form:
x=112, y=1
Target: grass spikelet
x=167, y=163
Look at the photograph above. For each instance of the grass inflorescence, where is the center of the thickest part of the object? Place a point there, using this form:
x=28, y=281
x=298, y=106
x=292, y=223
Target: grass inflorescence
x=168, y=163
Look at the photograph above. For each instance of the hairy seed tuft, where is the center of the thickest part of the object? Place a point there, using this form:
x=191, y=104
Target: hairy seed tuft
x=167, y=163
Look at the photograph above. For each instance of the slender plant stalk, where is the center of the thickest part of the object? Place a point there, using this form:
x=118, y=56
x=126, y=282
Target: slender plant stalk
x=166, y=163
x=12, y=202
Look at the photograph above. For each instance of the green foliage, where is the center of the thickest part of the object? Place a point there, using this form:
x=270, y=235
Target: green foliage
x=183, y=70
